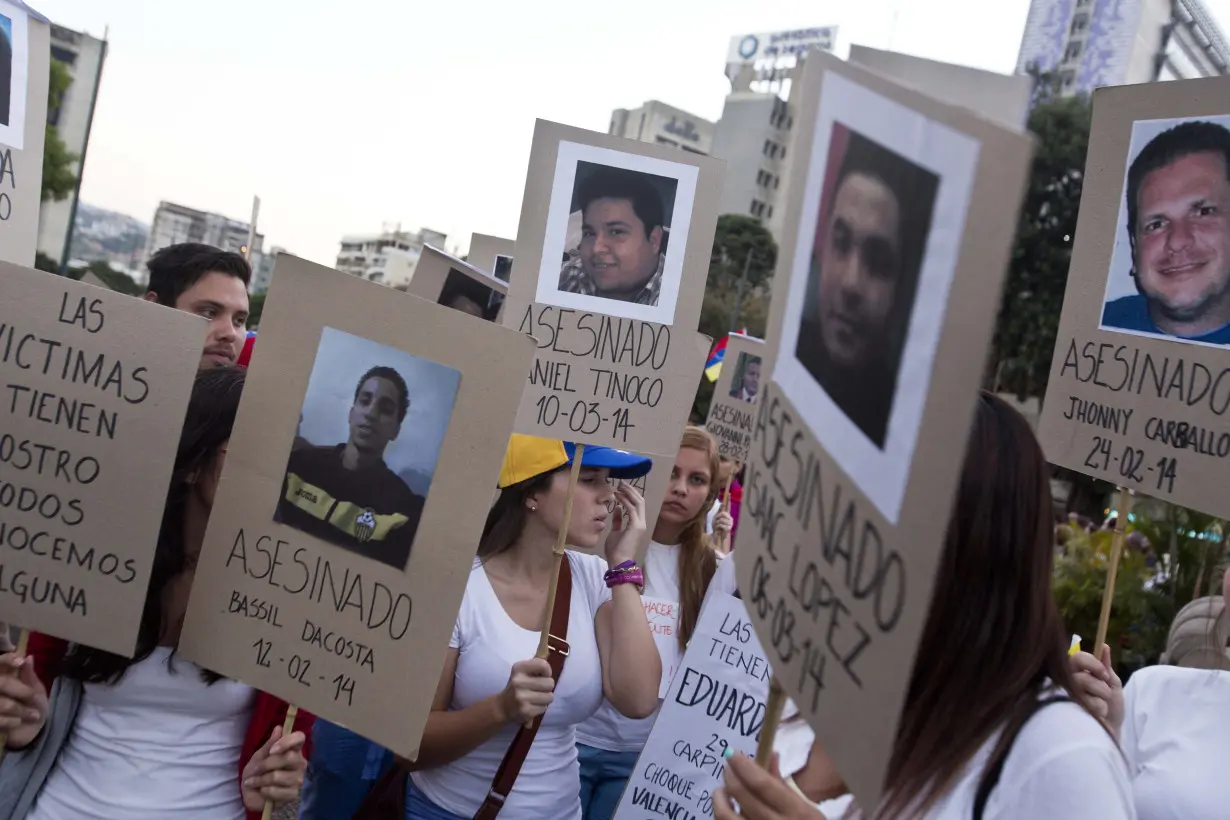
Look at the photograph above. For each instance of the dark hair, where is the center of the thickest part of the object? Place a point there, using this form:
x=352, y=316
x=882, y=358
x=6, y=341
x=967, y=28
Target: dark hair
x=1185, y=139
x=457, y=284
x=506, y=519
x=207, y=426
x=389, y=375
x=176, y=268
x=620, y=183
x=993, y=637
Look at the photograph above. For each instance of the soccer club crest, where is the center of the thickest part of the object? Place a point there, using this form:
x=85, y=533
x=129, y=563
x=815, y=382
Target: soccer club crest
x=365, y=526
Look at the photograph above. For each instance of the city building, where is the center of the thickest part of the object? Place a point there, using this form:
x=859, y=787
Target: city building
x=1094, y=43
x=388, y=257
x=176, y=223
x=663, y=124
x=83, y=56
x=757, y=119
x=262, y=268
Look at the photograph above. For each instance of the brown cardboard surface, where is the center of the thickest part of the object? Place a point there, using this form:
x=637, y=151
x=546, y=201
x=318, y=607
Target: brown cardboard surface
x=21, y=169
x=432, y=273
x=363, y=645
x=88, y=278
x=605, y=373
x=1003, y=98
x=838, y=588
x=93, y=389
x=1141, y=411
x=731, y=417
x=484, y=249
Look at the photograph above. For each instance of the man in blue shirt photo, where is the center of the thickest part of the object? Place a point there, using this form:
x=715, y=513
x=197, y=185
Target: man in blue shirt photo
x=1178, y=224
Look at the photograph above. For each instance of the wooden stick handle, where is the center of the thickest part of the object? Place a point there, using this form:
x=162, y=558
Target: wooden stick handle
x=561, y=541
x=772, y=717
x=23, y=643
x=724, y=540
x=1112, y=570
x=288, y=726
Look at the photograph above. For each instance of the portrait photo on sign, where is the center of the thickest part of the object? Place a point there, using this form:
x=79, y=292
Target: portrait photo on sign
x=502, y=269
x=468, y=295
x=882, y=217
x=617, y=227
x=365, y=452
x=14, y=74
x=1169, y=273
x=745, y=383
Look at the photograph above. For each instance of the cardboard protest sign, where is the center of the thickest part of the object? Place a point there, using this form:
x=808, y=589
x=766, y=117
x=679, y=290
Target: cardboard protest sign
x=492, y=254
x=1140, y=382
x=860, y=431
x=610, y=265
x=715, y=702
x=88, y=278
x=1003, y=98
x=354, y=493
x=25, y=63
x=93, y=390
x=446, y=280
x=732, y=408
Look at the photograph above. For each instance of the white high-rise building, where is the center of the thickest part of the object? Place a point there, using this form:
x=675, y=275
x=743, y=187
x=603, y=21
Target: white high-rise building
x=83, y=56
x=1094, y=43
x=663, y=124
x=174, y=224
x=388, y=257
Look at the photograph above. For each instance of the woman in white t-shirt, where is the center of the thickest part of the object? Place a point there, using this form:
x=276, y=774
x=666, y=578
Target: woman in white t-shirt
x=1173, y=724
x=992, y=727
x=480, y=703
x=679, y=563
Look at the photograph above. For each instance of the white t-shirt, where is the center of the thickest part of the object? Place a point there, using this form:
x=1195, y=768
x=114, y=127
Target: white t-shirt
x=1176, y=737
x=490, y=643
x=157, y=744
x=608, y=729
x=1063, y=766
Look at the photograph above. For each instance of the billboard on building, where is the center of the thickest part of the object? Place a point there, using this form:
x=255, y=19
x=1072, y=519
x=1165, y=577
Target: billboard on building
x=774, y=45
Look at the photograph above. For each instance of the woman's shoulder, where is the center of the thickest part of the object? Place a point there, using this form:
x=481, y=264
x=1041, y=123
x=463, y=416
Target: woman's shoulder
x=1171, y=685
x=1059, y=734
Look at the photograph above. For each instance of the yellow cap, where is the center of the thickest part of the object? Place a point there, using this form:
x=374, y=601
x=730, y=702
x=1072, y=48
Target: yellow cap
x=530, y=456
x=1075, y=645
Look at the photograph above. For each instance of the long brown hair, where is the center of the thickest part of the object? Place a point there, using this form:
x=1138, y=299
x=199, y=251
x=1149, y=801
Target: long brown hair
x=506, y=519
x=697, y=560
x=993, y=637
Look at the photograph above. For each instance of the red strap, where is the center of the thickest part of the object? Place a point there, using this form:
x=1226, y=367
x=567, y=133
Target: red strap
x=557, y=653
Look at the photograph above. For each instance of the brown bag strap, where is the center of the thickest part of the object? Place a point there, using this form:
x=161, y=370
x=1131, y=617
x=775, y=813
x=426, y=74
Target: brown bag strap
x=557, y=653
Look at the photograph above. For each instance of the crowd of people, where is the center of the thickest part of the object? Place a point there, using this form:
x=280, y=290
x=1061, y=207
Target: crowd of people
x=999, y=721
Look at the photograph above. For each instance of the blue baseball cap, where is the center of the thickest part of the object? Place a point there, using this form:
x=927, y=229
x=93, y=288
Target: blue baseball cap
x=621, y=463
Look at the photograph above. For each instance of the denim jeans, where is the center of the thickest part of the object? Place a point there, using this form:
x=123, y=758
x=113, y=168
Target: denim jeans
x=418, y=807
x=603, y=778
x=341, y=772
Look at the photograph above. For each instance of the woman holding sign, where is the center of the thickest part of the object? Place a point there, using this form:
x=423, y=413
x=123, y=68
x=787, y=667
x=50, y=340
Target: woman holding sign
x=1171, y=721
x=154, y=736
x=993, y=725
x=480, y=703
x=679, y=564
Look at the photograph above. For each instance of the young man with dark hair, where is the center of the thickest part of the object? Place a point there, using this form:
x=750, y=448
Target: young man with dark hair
x=865, y=263
x=208, y=282
x=623, y=223
x=345, y=493
x=1178, y=225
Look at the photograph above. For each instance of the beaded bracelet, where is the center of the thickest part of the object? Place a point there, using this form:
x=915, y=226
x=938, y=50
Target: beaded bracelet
x=626, y=573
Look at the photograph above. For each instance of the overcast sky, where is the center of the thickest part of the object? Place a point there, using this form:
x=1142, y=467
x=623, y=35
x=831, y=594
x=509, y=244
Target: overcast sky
x=344, y=116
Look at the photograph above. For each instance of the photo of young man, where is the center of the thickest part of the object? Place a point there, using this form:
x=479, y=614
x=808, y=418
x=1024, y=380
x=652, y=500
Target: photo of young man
x=624, y=225
x=463, y=293
x=865, y=263
x=1177, y=227
x=746, y=384
x=345, y=493
x=211, y=283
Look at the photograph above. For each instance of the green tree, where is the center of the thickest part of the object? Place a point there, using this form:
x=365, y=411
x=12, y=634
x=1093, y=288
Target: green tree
x=58, y=177
x=256, y=305
x=113, y=279
x=737, y=236
x=1033, y=295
